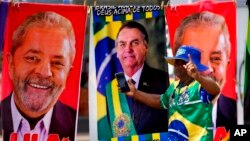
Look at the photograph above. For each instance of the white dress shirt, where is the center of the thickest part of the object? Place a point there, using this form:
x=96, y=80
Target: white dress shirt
x=21, y=125
x=135, y=77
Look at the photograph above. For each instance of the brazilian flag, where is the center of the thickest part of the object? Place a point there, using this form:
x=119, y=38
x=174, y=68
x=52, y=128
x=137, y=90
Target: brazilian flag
x=106, y=65
x=3, y=16
x=104, y=31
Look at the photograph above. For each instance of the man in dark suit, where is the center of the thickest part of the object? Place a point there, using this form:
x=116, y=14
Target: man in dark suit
x=41, y=57
x=136, y=117
x=60, y=125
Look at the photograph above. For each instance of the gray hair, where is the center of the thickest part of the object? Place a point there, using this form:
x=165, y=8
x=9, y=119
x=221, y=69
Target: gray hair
x=43, y=19
x=202, y=18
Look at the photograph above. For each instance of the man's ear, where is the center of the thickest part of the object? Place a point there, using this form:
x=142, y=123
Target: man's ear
x=228, y=62
x=146, y=51
x=10, y=60
x=146, y=45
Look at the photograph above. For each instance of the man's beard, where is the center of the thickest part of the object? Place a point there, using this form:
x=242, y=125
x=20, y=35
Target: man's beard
x=36, y=102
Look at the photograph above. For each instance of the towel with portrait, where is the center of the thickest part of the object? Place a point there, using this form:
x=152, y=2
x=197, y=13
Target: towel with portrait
x=43, y=51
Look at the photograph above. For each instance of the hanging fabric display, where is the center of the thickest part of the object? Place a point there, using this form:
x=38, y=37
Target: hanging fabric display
x=210, y=26
x=43, y=50
x=140, y=31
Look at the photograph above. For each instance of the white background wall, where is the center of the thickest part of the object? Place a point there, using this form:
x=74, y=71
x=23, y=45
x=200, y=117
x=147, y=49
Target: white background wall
x=241, y=27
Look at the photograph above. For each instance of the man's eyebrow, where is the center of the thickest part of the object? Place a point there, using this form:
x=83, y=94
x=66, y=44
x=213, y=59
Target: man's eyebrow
x=58, y=57
x=121, y=41
x=39, y=52
x=135, y=40
x=33, y=51
x=217, y=52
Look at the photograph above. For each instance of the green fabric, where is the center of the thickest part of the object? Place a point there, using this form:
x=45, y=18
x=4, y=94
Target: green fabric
x=121, y=124
x=185, y=105
x=104, y=133
x=248, y=36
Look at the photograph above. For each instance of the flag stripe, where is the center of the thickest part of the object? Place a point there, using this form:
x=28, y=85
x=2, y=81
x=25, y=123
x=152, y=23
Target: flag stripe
x=149, y=14
x=248, y=36
x=121, y=110
x=108, y=30
x=162, y=136
x=98, y=26
x=101, y=100
x=124, y=106
x=111, y=103
x=116, y=99
x=131, y=16
x=109, y=18
x=156, y=136
x=3, y=16
x=134, y=138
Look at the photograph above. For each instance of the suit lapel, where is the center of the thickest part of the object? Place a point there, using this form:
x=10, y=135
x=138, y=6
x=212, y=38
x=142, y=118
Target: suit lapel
x=7, y=117
x=144, y=81
x=62, y=122
x=139, y=108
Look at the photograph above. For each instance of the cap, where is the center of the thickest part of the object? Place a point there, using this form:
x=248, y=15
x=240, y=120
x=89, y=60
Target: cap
x=182, y=54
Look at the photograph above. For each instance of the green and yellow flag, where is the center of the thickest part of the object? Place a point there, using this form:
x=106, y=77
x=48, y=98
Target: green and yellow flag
x=105, y=24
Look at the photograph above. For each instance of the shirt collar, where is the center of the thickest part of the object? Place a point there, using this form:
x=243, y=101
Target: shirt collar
x=136, y=76
x=17, y=117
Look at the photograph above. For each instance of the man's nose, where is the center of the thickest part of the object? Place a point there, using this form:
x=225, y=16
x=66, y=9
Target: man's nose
x=210, y=69
x=44, y=68
x=128, y=46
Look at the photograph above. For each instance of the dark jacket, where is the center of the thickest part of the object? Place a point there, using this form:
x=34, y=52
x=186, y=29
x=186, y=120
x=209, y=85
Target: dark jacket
x=247, y=106
x=226, y=112
x=62, y=122
x=146, y=119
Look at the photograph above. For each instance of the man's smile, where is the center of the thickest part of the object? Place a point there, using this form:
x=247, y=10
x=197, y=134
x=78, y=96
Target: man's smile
x=38, y=86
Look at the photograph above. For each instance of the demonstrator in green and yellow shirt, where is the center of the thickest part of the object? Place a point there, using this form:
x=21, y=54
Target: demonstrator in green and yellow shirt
x=188, y=99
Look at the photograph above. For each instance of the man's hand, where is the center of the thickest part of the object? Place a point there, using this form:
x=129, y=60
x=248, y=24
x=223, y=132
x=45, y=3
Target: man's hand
x=152, y=100
x=132, y=88
x=191, y=68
